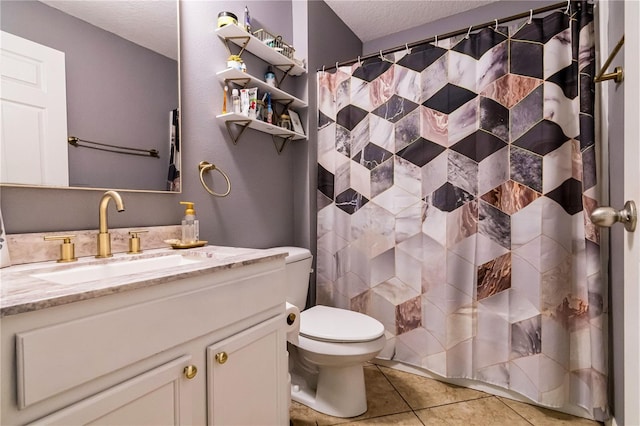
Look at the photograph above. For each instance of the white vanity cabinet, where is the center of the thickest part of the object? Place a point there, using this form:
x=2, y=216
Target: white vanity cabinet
x=148, y=356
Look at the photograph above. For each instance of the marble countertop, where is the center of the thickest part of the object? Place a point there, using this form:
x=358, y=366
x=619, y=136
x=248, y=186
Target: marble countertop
x=21, y=292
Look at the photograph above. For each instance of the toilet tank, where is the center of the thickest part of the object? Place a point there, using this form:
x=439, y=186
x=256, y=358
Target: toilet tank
x=298, y=268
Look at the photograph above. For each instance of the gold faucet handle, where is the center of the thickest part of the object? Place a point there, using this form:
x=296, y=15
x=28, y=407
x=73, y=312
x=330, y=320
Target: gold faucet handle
x=134, y=241
x=67, y=248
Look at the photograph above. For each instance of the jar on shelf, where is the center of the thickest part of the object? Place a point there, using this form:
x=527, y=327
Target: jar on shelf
x=285, y=122
x=226, y=18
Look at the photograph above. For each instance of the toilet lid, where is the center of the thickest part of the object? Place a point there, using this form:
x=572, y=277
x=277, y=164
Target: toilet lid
x=338, y=325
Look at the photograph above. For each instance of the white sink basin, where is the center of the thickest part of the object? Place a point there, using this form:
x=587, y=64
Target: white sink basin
x=80, y=274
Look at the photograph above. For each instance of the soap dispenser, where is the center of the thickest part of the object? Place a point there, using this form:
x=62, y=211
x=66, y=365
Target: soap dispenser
x=190, y=225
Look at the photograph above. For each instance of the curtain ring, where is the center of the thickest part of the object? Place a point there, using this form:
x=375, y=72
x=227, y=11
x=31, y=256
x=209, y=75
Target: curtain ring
x=568, y=7
x=435, y=39
x=496, y=27
x=205, y=166
x=468, y=32
x=530, y=16
x=381, y=57
x=359, y=63
x=323, y=69
x=406, y=46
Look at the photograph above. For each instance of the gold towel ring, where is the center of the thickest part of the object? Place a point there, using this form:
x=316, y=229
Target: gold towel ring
x=205, y=166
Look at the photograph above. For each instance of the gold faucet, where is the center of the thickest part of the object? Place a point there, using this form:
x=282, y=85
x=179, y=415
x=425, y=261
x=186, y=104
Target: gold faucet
x=104, y=238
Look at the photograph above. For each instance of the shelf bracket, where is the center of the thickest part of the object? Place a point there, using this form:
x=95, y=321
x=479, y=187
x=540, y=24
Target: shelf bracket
x=285, y=104
x=242, y=82
x=243, y=124
x=285, y=139
x=285, y=69
x=246, y=39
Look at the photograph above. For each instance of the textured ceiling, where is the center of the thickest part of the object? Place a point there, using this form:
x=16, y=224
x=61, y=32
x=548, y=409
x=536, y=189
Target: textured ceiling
x=152, y=24
x=372, y=19
x=139, y=21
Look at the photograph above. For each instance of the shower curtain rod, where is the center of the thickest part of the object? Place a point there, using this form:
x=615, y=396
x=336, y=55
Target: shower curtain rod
x=495, y=22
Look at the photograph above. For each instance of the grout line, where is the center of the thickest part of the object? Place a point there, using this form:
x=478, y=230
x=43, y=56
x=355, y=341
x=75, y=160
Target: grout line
x=395, y=389
x=506, y=405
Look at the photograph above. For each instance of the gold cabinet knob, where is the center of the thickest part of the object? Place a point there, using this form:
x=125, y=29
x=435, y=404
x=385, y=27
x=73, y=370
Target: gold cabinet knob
x=222, y=357
x=190, y=371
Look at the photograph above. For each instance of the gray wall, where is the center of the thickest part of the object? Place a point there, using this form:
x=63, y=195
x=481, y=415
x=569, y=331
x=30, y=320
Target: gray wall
x=117, y=92
x=259, y=210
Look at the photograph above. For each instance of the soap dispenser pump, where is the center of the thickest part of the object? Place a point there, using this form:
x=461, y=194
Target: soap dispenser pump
x=190, y=225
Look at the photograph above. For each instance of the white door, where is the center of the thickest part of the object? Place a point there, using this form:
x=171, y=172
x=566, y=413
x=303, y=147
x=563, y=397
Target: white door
x=632, y=192
x=33, y=113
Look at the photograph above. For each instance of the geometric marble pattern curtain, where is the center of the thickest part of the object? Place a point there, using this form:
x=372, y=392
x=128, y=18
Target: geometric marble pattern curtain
x=455, y=183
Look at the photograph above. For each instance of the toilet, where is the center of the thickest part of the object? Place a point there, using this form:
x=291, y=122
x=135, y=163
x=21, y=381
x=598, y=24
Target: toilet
x=326, y=363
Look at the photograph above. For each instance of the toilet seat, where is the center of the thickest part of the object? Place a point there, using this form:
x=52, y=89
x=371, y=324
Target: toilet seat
x=339, y=325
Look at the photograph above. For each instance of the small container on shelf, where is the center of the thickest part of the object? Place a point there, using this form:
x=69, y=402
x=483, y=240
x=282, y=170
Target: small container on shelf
x=270, y=77
x=275, y=42
x=285, y=122
x=227, y=18
x=235, y=101
x=235, y=61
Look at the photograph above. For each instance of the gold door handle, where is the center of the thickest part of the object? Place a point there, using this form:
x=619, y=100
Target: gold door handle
x=222, y=357
x=190, y=371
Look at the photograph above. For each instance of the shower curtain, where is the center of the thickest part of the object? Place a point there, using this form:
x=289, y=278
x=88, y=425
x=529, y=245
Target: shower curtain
x=455, y=182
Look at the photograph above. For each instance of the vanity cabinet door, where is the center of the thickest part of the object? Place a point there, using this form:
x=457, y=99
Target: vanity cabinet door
x=161, y=396
x=247, y=377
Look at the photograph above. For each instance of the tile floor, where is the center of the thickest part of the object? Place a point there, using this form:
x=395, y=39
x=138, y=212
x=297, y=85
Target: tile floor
x=400, y=398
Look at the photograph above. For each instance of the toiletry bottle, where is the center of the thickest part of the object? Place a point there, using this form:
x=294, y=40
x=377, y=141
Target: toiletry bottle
x=235, y=101
x=269, y=109
x=270, y=77
x=247, y=20
x=224, y=100
x=190, y=225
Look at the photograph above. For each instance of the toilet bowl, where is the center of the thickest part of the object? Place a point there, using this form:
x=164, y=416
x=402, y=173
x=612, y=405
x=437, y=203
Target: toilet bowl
x=326, y=363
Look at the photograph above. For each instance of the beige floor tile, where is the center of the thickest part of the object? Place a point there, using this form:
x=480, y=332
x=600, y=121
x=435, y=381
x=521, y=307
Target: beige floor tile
x=539, y=416
x=489, y=411
x=422, y=392
x=382, y=400
x=402, y=419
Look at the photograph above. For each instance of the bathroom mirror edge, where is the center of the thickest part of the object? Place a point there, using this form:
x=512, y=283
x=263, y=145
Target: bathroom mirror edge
x=157, y=185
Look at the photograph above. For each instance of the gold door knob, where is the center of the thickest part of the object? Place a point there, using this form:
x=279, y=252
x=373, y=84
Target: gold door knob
x=190, y=371
x=222, y=357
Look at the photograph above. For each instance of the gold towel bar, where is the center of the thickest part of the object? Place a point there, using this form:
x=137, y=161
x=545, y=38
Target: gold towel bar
x=75, y=141
x=617, y=75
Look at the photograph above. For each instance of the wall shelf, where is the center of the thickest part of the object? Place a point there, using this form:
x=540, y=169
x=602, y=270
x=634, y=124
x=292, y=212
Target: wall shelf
x=237, y=124
x=238, y=36
x=244, y=79
x=240, y=123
